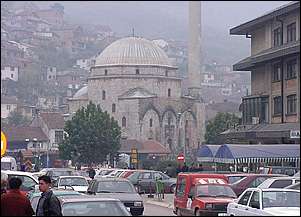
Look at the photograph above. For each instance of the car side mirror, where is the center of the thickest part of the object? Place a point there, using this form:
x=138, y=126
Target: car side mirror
x=255, y=205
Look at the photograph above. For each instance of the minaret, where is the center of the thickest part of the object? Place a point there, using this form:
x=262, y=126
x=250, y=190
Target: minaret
x=194, y=49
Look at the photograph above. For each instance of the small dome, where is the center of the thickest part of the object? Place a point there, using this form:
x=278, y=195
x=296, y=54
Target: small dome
x=81, y=93
x=133, y=51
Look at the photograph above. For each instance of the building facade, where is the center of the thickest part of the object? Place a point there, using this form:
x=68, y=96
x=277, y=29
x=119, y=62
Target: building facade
x=134, y=81
x=274, y=63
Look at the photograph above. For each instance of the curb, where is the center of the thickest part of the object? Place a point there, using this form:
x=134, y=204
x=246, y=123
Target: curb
x=166, y=205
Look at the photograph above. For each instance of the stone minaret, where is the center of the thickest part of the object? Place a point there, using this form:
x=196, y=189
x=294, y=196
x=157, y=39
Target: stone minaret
x=194, y=49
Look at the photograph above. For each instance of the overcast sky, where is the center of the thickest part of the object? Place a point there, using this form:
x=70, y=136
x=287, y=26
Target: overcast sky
x=166, y=19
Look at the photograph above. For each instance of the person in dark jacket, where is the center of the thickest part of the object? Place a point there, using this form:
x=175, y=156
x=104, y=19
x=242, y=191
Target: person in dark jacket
x=13, y=202
x=49, y=204
x=91, y=172
x=185, y=168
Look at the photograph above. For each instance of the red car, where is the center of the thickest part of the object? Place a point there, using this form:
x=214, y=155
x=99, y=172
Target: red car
x=202, y=194
x=250, y=181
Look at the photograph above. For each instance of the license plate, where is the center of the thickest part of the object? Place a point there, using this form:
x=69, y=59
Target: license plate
x=222, y=214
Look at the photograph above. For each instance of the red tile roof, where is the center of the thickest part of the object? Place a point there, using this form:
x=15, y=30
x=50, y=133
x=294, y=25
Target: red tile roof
x=146, y=147
x=21, y=133
x=54, y=120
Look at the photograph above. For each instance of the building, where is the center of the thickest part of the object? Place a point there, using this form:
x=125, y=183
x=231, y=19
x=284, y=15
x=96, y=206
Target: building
x=134, y=81
x=8, y=105
x=271, y=112
x=10, y=72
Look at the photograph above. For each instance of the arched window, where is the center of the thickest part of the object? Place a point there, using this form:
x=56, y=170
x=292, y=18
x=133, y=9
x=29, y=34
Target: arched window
x=103, y=95
x=106, y=72
x=151, y=122
x=123, y=122
x=113, y=107
x=137, y=72
x=169, y=92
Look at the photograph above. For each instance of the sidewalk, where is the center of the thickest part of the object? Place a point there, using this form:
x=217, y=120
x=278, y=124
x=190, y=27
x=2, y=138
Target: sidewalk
x=167, y=202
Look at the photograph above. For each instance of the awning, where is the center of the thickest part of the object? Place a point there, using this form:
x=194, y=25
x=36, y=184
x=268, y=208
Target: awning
x=206, y=153
x=242, y=153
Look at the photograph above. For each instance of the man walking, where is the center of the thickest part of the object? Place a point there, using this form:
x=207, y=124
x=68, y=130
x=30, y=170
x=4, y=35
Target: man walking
x=91, y=172
x=49, y=204
x=14, y=203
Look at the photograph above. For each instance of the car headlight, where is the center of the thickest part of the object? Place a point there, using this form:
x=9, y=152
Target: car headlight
x=138, y=203
x=209, y=206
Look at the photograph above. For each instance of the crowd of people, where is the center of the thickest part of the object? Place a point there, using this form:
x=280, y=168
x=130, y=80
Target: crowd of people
x=14, y=203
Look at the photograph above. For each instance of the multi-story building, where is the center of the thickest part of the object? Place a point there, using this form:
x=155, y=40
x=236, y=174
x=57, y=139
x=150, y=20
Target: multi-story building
x=271, y=113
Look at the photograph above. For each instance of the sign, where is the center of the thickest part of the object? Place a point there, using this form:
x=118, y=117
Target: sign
x=180, y=157
x=3, y=143
x=211, y=181
x=294, y=134
x=134, y=156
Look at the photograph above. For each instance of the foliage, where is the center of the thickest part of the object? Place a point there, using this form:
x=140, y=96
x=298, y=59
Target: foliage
x=91, y=135
x=219, y=124
x=15, y=118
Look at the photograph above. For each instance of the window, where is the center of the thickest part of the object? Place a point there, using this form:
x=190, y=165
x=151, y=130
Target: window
x=291, y=104
x=12, y=68
x=181, y=187
x=137, y=72
x=106, y=72
x=8, y=107
x=281, y=183
x=291, y=32
x=50, y=69
x=245, y=198
x=151, y=122
x=58, y=136
x=12, y=75
x=113, y=107
x=277, y=37
x=257, y=182
x=49, y=76
x=123, y=124
x=277, y=105
x=254, y=202
x=276, y=72
x=169, y=92
x=166, y=73
x=27, y=182
x=291, y=69
x=103, y=95
x=145, y=176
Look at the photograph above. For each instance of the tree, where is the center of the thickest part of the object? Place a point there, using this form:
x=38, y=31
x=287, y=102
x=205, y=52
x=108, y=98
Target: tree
x=15, y=118
x=91, y=135
x=221, y=123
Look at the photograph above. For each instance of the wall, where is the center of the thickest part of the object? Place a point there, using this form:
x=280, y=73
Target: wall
x=258, y=75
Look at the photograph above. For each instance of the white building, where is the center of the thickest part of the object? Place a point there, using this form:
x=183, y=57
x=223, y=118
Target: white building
x=10, y=72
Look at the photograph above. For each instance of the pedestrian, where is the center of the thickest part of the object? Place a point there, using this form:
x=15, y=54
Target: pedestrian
x=185, y=168
x=4, y=178
x=14, y=203
x=91, y=172
x=49, y=204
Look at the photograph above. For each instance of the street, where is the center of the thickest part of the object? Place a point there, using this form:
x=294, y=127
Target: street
x=155, y=210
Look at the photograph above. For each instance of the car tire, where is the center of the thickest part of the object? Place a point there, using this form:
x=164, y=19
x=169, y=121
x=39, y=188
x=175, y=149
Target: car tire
x=173, y=189
x=178, y=212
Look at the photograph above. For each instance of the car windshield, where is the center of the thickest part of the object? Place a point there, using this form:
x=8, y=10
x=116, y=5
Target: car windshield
x=97, y=208
x=5, y=165
x=115, y=187
x=281, y=199
x=233, y=179
x=62, y=173
x=73, y=181
x=214, y=191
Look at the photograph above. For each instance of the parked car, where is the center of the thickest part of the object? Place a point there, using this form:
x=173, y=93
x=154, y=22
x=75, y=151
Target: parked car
x=279, y=182
x=119, y=188
x=251, y=181
x=77, y=183
x=29, y=181
x=295, y=186
x=103, y=172
x=35, y=196
x=114, y=173
x=8, y=163
x=271, y=201
x=202, y=194
x=145, y=181
x=235, y=177
x=54, y=173
x=290, y=171
x=93, y=206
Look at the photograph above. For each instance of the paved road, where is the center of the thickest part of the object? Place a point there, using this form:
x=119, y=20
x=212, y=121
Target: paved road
x=154, y=210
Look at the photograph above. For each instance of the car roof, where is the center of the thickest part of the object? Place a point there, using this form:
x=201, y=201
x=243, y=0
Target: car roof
x=284, y=177
x=203, y=175
x=9, y=172
x=72, y=177
x=238, y=174
x=61, y=169
x=104, y=179
x=272, y=189
x=58, y=192
x=87, y=199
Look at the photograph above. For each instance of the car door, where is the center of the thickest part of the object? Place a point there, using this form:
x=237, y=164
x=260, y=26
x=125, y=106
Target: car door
x=239, y=209
x=254, y=206
x=281, y=183
x=180, y=199
x=145, y=182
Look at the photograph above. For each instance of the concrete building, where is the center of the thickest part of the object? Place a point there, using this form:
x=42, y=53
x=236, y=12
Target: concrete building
x=134, y=81
x=271, y=113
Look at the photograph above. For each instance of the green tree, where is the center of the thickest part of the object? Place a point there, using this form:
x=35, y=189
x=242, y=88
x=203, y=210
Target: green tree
x=221, y=123
x=15, y=118
x=91, y=135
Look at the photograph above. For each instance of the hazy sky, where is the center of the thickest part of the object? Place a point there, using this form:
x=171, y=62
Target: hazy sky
x=167, y=19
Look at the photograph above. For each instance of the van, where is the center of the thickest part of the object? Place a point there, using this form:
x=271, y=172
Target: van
x=200, y=194
x=8, y=163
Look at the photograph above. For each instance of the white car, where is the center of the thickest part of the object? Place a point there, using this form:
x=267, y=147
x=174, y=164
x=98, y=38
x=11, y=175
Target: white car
x=279, y=182
x=266, y=202
x=77, y=183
